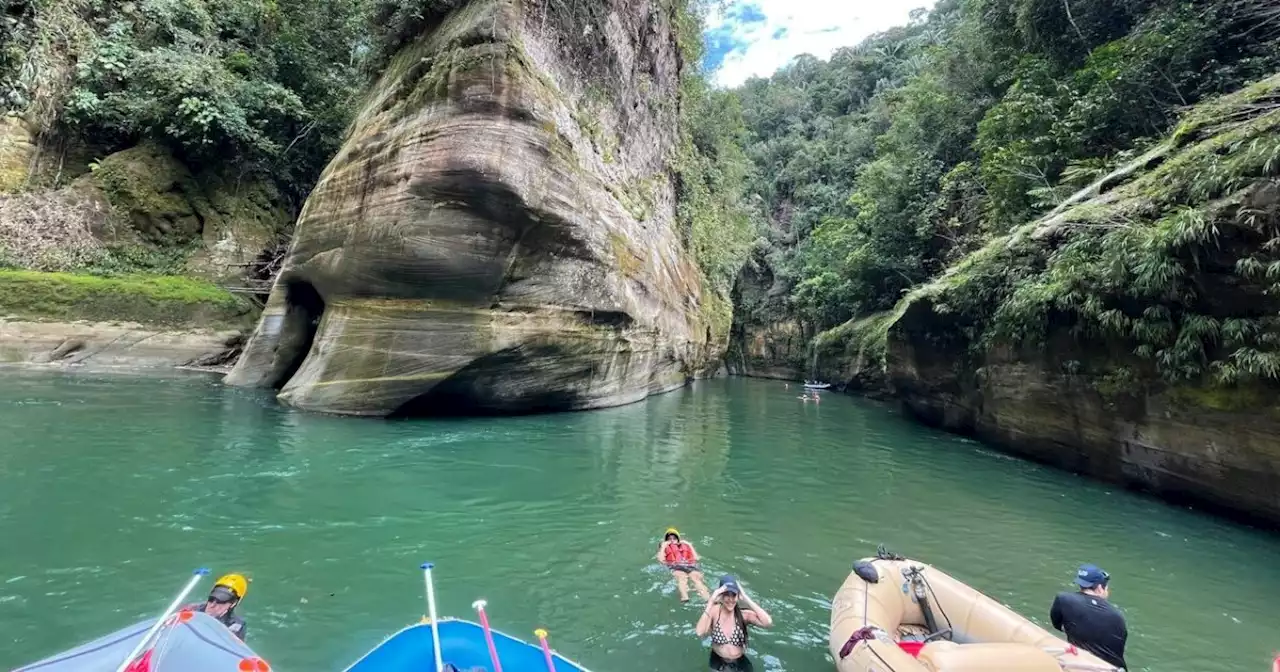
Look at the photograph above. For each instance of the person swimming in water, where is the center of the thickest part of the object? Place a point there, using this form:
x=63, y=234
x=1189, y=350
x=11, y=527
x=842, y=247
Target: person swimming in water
x=726, y=621
x=682, y=560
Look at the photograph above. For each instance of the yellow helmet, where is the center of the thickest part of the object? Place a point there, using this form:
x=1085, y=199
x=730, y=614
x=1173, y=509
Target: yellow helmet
x=671, y=530
x=235, y=582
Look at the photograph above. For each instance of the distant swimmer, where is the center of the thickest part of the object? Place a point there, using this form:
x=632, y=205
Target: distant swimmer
x=682, y=560
x=726, y=621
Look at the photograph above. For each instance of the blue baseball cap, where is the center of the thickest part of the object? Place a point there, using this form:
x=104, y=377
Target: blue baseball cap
x=730, y=584
x=1091, y=576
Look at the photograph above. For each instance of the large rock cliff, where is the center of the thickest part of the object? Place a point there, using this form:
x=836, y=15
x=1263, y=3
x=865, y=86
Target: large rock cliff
x=497, y=232
x=1131, y=334
x=767, y=340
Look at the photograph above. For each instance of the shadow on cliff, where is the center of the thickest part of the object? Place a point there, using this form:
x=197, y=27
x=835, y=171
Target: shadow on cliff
x=303, y=309
x=484, y=387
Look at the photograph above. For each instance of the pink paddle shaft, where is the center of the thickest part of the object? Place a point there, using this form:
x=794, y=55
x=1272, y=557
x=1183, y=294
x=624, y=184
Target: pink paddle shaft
x=488, y=638
x=546, y=652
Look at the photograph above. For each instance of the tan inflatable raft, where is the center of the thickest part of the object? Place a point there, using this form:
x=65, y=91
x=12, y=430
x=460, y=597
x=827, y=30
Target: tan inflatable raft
x=878, y=627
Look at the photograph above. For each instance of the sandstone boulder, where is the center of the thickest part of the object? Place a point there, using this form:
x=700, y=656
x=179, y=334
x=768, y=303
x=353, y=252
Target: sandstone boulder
x=497, y=232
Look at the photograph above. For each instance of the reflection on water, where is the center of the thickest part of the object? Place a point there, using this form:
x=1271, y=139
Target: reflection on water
x=114, y=488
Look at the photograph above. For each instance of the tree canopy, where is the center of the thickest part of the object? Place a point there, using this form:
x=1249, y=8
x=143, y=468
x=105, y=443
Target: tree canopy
x=893, y=159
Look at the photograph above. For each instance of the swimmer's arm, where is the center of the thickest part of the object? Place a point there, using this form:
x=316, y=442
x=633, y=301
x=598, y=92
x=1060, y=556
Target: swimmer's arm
x=704, y=621
x=756, y=614
x=661, y=548
x=694, y=552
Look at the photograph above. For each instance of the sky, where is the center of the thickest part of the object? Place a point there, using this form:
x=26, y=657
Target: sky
x=756, y=37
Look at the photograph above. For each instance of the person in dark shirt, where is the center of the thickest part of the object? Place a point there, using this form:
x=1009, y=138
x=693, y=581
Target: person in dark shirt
x=1089, y=620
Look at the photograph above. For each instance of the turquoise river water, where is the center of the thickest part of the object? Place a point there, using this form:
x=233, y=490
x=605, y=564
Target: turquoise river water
x=113, y=488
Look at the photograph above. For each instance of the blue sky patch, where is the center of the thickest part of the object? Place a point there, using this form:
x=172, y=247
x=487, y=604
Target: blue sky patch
x=753, y=38
x=730, y=36
x=721, y=41
x=745, y=13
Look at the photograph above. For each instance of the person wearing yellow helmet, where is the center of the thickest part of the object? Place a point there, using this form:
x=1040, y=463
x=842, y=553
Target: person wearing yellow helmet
x=221, y=604
x=682, y=560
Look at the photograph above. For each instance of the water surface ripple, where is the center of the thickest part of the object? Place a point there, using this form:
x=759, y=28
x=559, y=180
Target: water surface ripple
x=115, y=488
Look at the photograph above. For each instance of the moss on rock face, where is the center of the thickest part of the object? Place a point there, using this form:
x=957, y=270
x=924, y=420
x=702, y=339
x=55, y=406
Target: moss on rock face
x=865, y=337
x=1176, y=257
x=152, y=300
x=218, y=223
x=1243, y=398
x=153, y=192
x=17, y=147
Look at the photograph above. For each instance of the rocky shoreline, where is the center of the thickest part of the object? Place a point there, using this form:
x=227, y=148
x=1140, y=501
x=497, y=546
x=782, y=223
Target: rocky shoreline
x=123, y=346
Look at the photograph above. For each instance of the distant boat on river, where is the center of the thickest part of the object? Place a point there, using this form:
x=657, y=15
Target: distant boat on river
x=815, y=385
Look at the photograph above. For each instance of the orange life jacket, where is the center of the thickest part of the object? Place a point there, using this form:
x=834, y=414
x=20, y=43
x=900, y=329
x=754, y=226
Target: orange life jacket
x=679, y=553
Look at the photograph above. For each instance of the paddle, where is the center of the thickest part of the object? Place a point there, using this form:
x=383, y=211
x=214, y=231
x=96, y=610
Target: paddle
x=142, y=643
x=479, y=605
x=431, y=611
x=546, y=649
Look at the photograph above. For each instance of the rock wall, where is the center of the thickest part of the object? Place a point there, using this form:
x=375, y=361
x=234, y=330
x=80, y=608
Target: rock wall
x=767, y=340
x=103, y=347
x=1211, y=446
x=497, y=232
x=1133, y=333
x=155, y=199
x=145, y=198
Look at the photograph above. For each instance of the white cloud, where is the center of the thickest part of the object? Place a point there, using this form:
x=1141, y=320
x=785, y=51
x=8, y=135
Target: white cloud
x=815, y=27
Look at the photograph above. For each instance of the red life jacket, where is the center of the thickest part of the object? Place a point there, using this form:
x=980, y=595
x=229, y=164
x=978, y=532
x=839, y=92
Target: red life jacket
x=679, y=553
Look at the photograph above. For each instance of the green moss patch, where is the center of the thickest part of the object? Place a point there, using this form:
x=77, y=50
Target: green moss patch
x=1249, y=397
x=156, y=300
x=865, y=336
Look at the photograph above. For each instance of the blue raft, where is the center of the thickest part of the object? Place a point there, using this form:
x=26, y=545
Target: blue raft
x=462, y=645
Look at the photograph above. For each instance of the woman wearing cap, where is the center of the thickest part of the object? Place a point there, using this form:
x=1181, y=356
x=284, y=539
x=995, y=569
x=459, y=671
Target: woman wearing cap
x=682, y=560
x=726, y=621
x=222, y=601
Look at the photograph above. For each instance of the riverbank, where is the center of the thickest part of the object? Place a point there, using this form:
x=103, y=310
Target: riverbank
x=116, y=323
x=122, y=346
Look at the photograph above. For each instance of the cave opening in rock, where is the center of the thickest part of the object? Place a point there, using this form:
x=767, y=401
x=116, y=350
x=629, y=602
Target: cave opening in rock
x=304, y=308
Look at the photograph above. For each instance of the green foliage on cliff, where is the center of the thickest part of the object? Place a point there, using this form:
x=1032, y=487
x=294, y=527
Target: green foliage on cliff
x=1179, y=262
x=262, y=85
x=153, y=300
x=711, y=168
x=895, y=159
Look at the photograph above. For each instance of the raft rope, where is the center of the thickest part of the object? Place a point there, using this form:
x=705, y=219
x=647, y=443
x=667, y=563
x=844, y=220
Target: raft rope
x=928, y=586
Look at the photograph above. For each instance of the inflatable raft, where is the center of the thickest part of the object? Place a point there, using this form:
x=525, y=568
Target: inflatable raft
x=189, y=641
x=897, y=615
x=463, y=646
x=456, y=645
